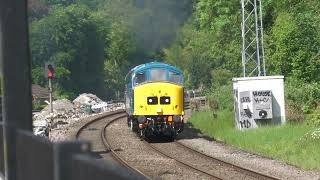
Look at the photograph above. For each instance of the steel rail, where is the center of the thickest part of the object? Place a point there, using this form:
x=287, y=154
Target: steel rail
x=108, y=147
x=98, y=118
x=181, y=162
x=114, y=154
x=240, y=169
x=104, y=140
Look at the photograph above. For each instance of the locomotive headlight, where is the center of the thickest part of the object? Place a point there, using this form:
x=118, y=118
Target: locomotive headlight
x=165, y=100
x=152, y=100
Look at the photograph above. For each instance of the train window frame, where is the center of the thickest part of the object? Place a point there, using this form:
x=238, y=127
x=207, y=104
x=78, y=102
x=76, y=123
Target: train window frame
x=179, y=81
x=135, y=78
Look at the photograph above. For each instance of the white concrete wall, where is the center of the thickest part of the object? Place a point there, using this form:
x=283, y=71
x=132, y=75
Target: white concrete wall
x=272, y=83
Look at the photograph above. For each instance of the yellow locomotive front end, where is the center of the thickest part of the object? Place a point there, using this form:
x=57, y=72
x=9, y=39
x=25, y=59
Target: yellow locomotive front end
x=158, y=109
x=155, y=103
x=158, y=99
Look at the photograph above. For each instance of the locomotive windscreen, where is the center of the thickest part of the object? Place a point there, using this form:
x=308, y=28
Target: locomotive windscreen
x=175, y=78
x=140, y=78
x=158, y=75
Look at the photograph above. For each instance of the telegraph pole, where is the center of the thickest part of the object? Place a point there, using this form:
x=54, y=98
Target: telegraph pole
x=253, y=59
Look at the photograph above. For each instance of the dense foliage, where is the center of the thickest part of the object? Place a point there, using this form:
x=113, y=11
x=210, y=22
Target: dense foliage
x=94, y=43
x=208, y=48
x=213, y=37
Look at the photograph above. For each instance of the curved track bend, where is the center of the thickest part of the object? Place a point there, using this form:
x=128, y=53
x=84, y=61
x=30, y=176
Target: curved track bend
x=192, y=160
x=93, y=131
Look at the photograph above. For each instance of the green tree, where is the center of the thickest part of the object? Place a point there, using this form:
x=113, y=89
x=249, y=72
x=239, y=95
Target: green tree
x=293, y=45
x=70, y=38
x=210, y=40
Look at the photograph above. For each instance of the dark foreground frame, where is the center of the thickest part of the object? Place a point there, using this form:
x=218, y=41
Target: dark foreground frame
x=23, y=155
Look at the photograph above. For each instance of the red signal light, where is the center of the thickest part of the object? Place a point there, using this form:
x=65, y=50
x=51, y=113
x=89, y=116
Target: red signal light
x=50, y=74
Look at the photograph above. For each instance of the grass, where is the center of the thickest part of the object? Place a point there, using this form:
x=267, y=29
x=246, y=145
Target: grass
x=286, y=143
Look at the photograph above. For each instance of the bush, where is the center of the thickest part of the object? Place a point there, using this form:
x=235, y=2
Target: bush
x=314, y=118
x=222, y=97
x=294, y=113
x=306, y=96
x=37, y=105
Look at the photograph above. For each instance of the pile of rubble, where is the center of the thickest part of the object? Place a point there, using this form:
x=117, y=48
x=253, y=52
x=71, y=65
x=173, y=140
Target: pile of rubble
x=66, y=112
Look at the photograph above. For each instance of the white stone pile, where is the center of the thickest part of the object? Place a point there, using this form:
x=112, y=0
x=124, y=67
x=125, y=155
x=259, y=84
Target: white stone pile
x=66, y=112
x=87, y=99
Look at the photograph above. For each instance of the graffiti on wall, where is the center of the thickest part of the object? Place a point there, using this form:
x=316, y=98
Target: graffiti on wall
x=254, y=105
x=262, y=104
x=245, y=120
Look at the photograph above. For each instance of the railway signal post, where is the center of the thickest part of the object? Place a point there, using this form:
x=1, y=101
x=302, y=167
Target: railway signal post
x=49, y=71
x=50, y=75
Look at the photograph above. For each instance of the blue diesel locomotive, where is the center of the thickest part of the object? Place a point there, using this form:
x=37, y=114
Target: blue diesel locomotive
x=155, y=100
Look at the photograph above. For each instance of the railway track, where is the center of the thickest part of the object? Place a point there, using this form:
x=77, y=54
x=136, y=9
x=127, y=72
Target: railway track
x=215, y=168
x=115, y=155
x=209, y=166
x=246, y=171
x=181, y=161
x=96, y=131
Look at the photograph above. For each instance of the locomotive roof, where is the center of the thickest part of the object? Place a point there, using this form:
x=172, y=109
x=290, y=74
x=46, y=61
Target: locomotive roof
x=150, y=65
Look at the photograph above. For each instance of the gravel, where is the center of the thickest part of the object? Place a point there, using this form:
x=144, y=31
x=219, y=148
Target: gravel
x=135, y=152
x=67, y=132
x=204, y=163
x=138, y=154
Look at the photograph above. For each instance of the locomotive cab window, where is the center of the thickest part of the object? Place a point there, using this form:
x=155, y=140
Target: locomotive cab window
x=158, y=75
x=139, y=78
x=175, y=77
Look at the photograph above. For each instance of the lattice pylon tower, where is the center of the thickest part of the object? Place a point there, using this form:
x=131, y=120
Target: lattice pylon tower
x=253, y=59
